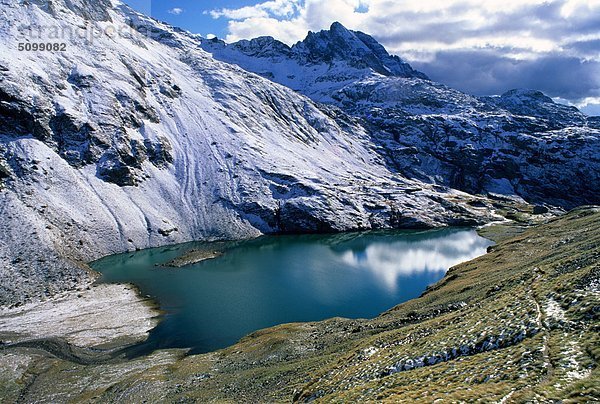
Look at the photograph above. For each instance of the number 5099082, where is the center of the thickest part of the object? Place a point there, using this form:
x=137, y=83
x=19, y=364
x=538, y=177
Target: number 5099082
x=42, y=46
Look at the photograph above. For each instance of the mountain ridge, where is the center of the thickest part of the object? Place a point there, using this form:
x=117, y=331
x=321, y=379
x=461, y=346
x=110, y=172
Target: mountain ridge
x=520, y=142
x=336, y=44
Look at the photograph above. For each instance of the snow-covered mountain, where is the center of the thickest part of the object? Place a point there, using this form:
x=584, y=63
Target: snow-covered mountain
x=322, y=64
x=518, y=143
x=135, y=136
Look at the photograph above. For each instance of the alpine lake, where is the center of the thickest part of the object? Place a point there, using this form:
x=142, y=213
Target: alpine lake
x=212, y=294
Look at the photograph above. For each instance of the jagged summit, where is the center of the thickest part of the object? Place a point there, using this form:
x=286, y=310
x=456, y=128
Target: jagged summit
x=357, y=48
x=528, y=102
x=337, y=45
x=321, y=64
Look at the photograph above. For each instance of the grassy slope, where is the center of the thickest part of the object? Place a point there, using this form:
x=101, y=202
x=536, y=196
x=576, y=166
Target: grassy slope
x=519, y=323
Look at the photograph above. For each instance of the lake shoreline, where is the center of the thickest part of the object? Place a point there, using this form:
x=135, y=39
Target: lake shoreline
x=131, y=294
x=302, y=355
x=102, y=316
x=117, y=333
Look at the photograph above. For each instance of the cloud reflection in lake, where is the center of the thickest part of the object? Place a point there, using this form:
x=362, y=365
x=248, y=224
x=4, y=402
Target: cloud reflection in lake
x=390, y=261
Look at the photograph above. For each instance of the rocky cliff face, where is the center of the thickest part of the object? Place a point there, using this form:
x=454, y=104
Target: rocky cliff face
x=518, y=143
x=133, y=137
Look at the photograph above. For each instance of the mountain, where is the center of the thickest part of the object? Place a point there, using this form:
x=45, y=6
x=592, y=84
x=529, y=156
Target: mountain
x=135, y=137
x=518, y=143
x=139, y=134
x=321, y=64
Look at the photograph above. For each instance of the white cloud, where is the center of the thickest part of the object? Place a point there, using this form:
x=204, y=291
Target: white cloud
x=587, y=105
x=244, y=13
x=175, y=11
x=275, y=8
x=571, y=7
x=259, y=26
x=588, y=101
x=423, y=30
x=421, y=26
x=591, y=109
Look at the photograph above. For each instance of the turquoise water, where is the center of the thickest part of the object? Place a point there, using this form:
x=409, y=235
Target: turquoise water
x=279, y=279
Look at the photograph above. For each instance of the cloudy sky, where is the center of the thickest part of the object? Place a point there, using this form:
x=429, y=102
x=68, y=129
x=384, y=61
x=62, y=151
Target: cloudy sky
x=478, y=46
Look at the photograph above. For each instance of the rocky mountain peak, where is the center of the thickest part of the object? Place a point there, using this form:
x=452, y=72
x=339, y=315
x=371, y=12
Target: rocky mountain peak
x=357, y=48
x=336, y=43
x=526, y=95
x=337, y=27
x=336, y=46
x=263, y=46
x=527, y=102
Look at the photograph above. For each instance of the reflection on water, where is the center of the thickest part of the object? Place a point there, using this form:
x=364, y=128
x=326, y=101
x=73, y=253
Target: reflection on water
x=388, y=262
x=278, y=279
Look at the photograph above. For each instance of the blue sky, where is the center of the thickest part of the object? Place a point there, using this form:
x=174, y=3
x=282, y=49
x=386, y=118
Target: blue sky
x=193, y=16
x=480, y=47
